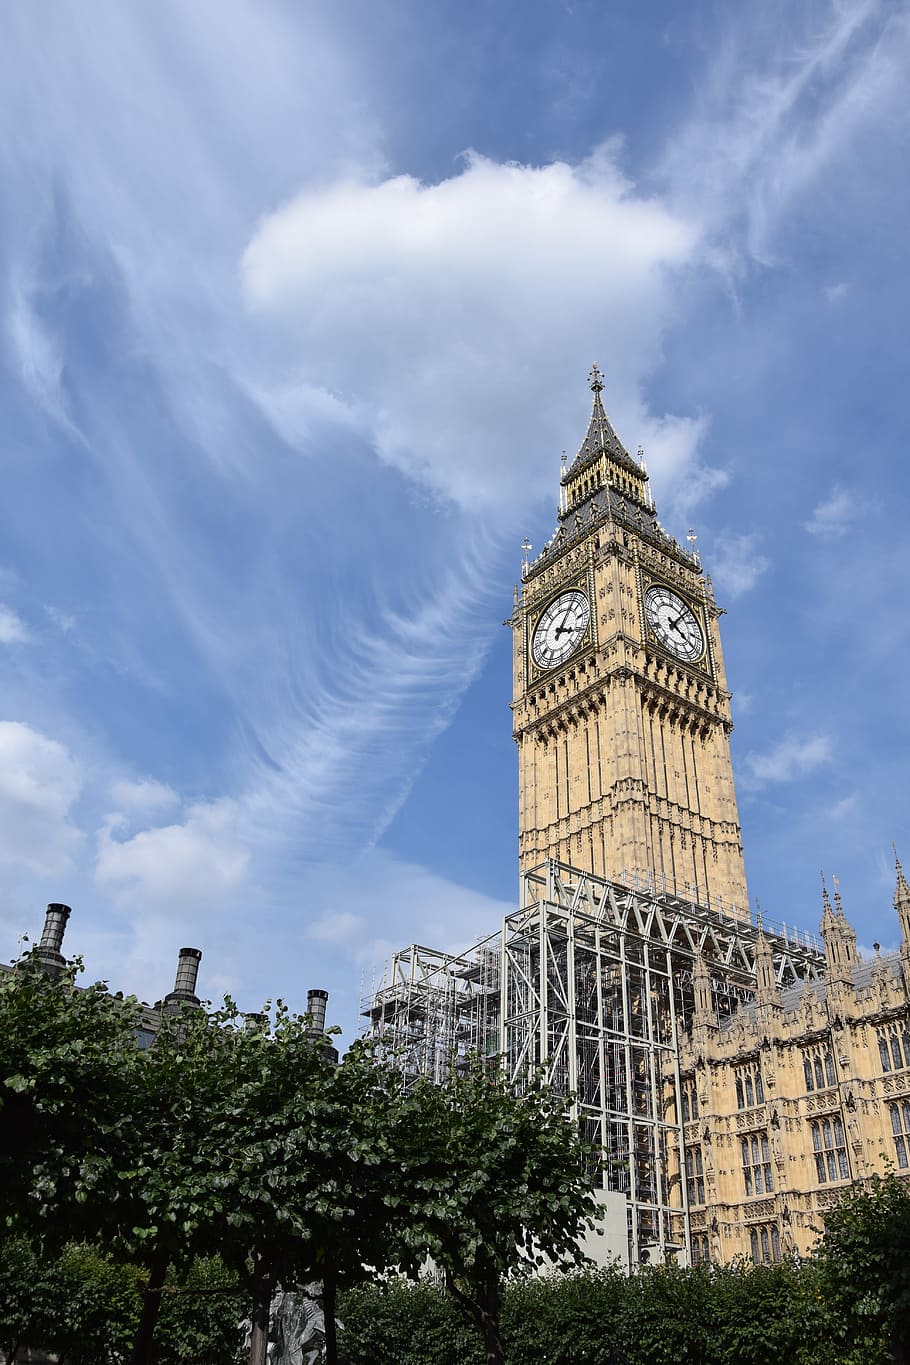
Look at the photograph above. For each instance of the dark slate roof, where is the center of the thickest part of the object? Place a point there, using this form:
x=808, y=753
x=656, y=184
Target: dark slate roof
x=600, y=437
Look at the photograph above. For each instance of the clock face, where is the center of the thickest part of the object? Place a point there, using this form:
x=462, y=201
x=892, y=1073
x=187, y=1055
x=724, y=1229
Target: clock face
x=560, y=629
x=674, y=623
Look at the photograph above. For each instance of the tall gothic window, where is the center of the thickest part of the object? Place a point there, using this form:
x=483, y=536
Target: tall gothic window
x=756, y=1154
x=830, y=1148
x=900, y=1127
x=818, y=1068
x=894, y=1046
x=765, y=1244
x=695, y=1176
x=700, y=1252
x=689, y=1101
x=749, y=1088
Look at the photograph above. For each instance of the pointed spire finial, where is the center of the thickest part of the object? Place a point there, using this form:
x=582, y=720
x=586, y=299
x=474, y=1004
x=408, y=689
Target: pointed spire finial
x=596, y=379
x=525, y=551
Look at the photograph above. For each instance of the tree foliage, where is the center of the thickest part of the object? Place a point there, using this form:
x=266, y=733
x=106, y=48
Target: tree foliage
x=865, y=1260
x=68, y=1069
x=496, y=1187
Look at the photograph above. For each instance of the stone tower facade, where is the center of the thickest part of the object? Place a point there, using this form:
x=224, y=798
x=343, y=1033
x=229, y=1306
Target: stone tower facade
x=620, y=702
x=790, y=1100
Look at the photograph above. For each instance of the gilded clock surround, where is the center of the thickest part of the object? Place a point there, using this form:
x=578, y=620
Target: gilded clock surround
x=624, y=755
x=703, y=661
x=582, y=583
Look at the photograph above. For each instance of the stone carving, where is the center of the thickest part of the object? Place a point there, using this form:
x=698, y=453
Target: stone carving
x=296, y=1327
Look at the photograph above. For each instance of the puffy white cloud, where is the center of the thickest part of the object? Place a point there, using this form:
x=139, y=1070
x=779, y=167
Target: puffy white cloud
x=13, y=629
x=793, y=757
x=39, y=783
x=737, y=563
x=175, y=868
x=456, y=321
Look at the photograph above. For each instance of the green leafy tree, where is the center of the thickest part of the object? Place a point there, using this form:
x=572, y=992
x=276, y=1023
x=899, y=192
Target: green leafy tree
x=495, y=1187
x=68, y=1069
x=864, y=1256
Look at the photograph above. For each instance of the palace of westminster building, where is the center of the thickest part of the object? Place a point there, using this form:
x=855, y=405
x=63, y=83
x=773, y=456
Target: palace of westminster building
x=735, y=1076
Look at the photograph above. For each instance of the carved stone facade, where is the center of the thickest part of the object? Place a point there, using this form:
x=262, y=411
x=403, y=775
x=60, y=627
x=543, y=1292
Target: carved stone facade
x=794, y=1097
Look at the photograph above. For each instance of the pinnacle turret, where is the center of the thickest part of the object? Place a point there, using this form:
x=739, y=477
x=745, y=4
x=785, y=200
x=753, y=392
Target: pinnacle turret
x=765, y=975
x=902, y=901
x=838, y=934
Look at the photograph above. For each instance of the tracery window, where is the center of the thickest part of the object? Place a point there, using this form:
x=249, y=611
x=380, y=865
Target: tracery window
x=749, y=1088
x=695, y=1176
x=700, y=1251
x=900, y=1127
x=818, y=1068
x=689, y=1101
x=756, y=1154
x=894, y=1046
x=830, y=1148
x=765, y=1244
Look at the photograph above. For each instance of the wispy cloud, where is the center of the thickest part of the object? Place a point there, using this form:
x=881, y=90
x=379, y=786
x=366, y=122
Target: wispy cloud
x=778, y=106
x=13, y=630
x=737, y=563
x=835, y=514
x=793, y=757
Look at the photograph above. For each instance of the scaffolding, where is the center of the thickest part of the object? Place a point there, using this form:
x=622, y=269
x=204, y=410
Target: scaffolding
x=590, y=982
x=597, y=989
x=433, y=1009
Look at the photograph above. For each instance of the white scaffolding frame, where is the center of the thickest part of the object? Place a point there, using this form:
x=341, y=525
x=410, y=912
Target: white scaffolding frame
x=591, y=982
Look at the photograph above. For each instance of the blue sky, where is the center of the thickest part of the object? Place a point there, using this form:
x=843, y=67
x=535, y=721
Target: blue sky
x=298, y=301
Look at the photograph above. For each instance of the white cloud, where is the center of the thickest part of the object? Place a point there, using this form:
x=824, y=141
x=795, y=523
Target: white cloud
x=13, y=629
x=835, y=292
x=456, y=321
x=834, y=514
x=144, y=796
x=39, y=784
x=793, y=757
x=736, y=563
x=175, y=868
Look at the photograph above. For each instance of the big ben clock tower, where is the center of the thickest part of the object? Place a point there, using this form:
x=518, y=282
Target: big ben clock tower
x=621, y=709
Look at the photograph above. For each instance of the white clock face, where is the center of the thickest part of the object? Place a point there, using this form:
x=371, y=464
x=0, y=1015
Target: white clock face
x=560, y=629
x=674, y=623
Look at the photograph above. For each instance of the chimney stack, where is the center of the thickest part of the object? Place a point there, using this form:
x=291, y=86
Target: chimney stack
x=184, y=992
x=48, y=952
x=316, y=1002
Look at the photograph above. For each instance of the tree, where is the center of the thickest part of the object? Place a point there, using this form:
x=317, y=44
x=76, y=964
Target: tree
x=864, y=1255
x=68, y=1069
x=496, y=1186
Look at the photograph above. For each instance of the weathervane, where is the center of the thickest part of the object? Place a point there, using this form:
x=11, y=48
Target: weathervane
x=692, y=538
x=596, y=379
